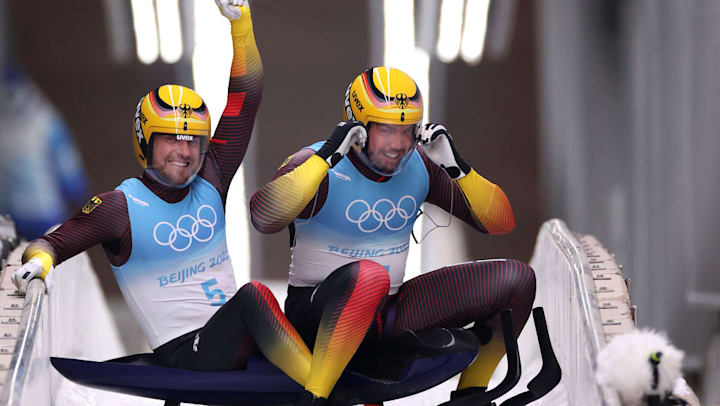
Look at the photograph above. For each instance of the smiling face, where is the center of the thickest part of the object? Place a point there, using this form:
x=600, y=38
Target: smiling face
x=388, y=144
x=176, y=157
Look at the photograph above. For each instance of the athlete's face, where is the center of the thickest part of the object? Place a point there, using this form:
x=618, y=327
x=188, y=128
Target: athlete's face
x=388, y=144
x=176, y=157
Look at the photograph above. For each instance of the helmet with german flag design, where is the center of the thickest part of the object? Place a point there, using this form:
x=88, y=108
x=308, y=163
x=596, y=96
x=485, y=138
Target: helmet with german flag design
x=171, y=134
x=385, y=97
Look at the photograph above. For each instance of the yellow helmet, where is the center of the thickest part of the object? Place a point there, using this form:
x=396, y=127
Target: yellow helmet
x=170, y=110
x=383, y=95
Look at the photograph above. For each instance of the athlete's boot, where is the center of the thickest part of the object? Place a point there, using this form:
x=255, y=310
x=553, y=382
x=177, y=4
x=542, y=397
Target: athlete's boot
x=482, y=397
x=306, y=398
x=469, y=393
x=472, y=391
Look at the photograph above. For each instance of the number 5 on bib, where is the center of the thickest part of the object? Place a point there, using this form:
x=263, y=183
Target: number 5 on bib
x=211, y=294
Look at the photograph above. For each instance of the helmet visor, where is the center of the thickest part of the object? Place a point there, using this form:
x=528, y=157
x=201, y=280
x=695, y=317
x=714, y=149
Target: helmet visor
x=175, y=159
x=389, y=147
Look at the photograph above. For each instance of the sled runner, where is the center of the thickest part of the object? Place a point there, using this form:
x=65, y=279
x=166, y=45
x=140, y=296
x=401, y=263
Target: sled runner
x=548, y=377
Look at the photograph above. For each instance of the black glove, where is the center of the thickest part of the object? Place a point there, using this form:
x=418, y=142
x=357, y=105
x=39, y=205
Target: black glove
x=342, y=138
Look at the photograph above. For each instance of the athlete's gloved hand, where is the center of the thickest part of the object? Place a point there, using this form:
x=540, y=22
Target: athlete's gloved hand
x=438, y=146
x=231, y=8
x=31, y=270
x=342, y=138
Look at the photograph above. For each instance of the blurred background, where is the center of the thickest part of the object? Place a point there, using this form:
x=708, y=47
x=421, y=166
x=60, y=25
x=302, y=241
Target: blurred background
x=603, y=114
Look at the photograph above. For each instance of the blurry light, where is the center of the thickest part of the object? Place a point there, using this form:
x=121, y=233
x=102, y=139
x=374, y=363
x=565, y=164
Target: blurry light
x=399, y=16
x=419, y=69
x=473, y=39
x=146, y=35
x=117, y=30
x=400, y=50
x=171, y=46
x=451, y=17
x=212, y=56
x=401, y=53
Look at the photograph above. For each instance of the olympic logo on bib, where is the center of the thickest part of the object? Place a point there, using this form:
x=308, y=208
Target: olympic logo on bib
x=371, y=218
x=186, y=229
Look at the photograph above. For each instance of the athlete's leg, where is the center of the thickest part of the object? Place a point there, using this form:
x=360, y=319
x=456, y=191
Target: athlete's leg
x=340, y=310
x=457, y=295
x=251, y=319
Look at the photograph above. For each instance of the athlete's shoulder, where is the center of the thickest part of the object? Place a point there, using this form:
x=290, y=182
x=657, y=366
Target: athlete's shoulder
x=421, y=152
x=103, y=200
x=316, y=146
x=295, y=160
x=200, y=182
x=430, y=166
x=128, y=184
x=303, y=154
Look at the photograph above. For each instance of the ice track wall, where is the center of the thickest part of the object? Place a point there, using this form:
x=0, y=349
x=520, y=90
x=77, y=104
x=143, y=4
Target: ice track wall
x=72, y=321
x=567, y=289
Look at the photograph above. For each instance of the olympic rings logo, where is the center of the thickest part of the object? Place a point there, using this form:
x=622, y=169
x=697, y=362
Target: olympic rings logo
x=187, y=228
x=370, y=218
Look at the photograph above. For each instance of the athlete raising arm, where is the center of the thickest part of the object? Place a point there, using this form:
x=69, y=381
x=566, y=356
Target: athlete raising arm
x=350, y=203
x=164, y=233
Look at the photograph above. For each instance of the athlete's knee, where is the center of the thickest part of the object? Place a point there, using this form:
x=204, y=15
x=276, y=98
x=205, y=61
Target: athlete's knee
x=520, y=277
x=252, y=293
x=249, y=289
x=373, y=276
x=374, y=271
x=258, y=287
x=364, y=273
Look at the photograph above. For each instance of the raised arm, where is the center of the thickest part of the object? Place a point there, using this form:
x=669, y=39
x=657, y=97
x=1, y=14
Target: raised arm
x=232, y=136
x=459, y=189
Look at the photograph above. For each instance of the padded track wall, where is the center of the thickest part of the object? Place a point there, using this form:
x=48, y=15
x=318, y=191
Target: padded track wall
x=566, y=290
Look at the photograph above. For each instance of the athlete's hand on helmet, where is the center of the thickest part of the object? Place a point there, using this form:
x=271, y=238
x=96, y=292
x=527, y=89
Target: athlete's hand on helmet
x=438, y=146
x=29, y=271
x=231, y=8
x=342, y=138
